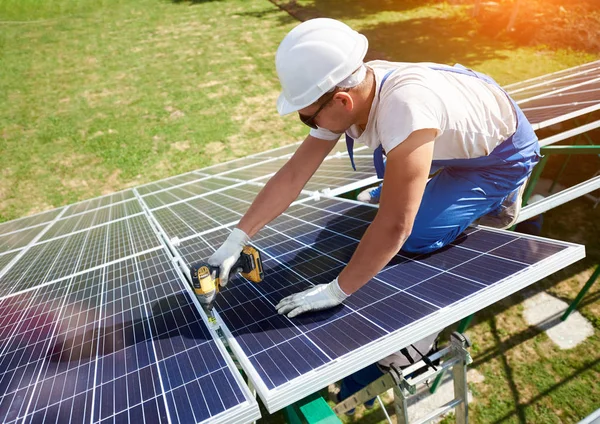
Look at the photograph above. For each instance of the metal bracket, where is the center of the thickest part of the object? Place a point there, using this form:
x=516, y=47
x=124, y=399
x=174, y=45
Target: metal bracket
x=405, y=382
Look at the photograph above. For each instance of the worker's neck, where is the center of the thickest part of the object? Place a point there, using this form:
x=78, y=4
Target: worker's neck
x=364, y=100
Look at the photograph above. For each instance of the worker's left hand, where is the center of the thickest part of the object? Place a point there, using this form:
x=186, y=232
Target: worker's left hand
x=322, y=296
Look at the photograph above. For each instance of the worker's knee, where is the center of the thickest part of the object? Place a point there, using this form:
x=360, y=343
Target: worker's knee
x=417, y=245
x=429, y=240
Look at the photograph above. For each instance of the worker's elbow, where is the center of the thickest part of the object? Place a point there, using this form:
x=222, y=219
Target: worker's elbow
x=398, y=232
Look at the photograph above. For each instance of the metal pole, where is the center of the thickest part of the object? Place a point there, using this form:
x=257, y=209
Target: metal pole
x=462, y=327
x=560, y=172
x=568, y=150
x=461, y=392
x=582, y=293
x=535, y=176
x=401, y=406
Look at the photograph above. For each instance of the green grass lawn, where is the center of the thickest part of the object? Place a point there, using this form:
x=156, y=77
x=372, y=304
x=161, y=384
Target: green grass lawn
x=100, y=95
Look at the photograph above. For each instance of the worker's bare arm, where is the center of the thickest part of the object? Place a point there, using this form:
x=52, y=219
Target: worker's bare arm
x=405, y=178
x=286, y=184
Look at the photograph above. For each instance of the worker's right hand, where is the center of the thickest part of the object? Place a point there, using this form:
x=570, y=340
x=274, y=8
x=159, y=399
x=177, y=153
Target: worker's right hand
x=229, y=252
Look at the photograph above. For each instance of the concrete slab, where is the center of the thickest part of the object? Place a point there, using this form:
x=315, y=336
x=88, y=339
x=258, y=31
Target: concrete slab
x=544, y=311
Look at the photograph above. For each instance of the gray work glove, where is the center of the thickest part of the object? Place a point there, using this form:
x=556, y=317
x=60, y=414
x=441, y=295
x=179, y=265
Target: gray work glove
x=322, y=296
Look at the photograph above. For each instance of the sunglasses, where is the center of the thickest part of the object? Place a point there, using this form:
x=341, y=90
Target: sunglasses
x=310, y=121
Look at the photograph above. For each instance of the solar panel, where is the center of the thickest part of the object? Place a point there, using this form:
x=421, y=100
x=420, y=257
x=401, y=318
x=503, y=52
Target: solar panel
x=97, y=324
x=95, y=217
x=206, y=213
x=277, y=152
x=247, y=168
x=186, y=191
x=120, y=343
x=259, y=167
x=567, y=104
x=540, y=84
x=29, y=221
x=98, y=202
x=168, y=183
x=336, y=173
x=60, y=257
x=5, y=258
x=19, y=238
x=412, y=297
x=556, y=97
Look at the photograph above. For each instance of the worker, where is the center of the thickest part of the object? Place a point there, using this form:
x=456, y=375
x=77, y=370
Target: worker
x=425, y=118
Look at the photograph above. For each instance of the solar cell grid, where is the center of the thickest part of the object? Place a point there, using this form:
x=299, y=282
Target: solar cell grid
x=98, y=202
x=310, y=244
x=205, y=213
x=31, y=266
x=337, y=172
x=257, y=169
x=340, y=148
x=241, y=165
x=553, y=81
x=120, y=343
x=61, y=257
x=94, y=251
x=168, y=183
x=19, y=238
x=6, y=258
x=562, y=105
x=182, y=192
x=29, y=221
x=277, y=152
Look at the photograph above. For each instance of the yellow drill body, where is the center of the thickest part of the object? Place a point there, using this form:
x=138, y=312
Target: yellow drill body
x=206, y=279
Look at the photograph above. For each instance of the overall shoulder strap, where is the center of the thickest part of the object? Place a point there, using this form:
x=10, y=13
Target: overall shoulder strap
x=378, y=153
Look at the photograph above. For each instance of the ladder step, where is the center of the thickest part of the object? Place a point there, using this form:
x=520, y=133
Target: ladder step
x=438, y=412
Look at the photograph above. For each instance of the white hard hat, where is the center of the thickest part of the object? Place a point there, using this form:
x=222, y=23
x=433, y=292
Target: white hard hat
x=314, y=57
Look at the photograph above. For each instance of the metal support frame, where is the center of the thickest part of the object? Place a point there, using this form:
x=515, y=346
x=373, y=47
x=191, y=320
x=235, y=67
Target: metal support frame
x=407, y=387
x=562, y=197
x=581, y=293
x=462, y=327
x=405, y=382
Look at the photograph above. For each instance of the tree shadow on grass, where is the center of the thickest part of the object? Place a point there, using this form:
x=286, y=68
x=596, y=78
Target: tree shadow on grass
x=348, y=9
x=448, y=38
x=442, y=40
x=539, y=22
x=192, y=2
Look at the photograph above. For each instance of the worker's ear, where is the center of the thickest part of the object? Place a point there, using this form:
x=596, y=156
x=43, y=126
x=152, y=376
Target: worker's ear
x=345, y=99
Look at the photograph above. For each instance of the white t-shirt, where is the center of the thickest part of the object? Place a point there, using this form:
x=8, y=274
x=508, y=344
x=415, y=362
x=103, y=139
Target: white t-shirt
x=471, y=116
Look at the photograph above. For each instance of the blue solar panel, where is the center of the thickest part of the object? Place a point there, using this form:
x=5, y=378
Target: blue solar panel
x=95, y=217
x=186, y=191
x=310, y=244
x=168, y=183
x=98, y=202
x=18, y=239
x=78, y=252
x=121, y=343
x=29, y=221
x=6, y=258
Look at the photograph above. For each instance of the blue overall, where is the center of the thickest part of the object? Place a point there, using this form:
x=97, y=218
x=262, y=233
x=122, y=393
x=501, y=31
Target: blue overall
x=466, y=189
